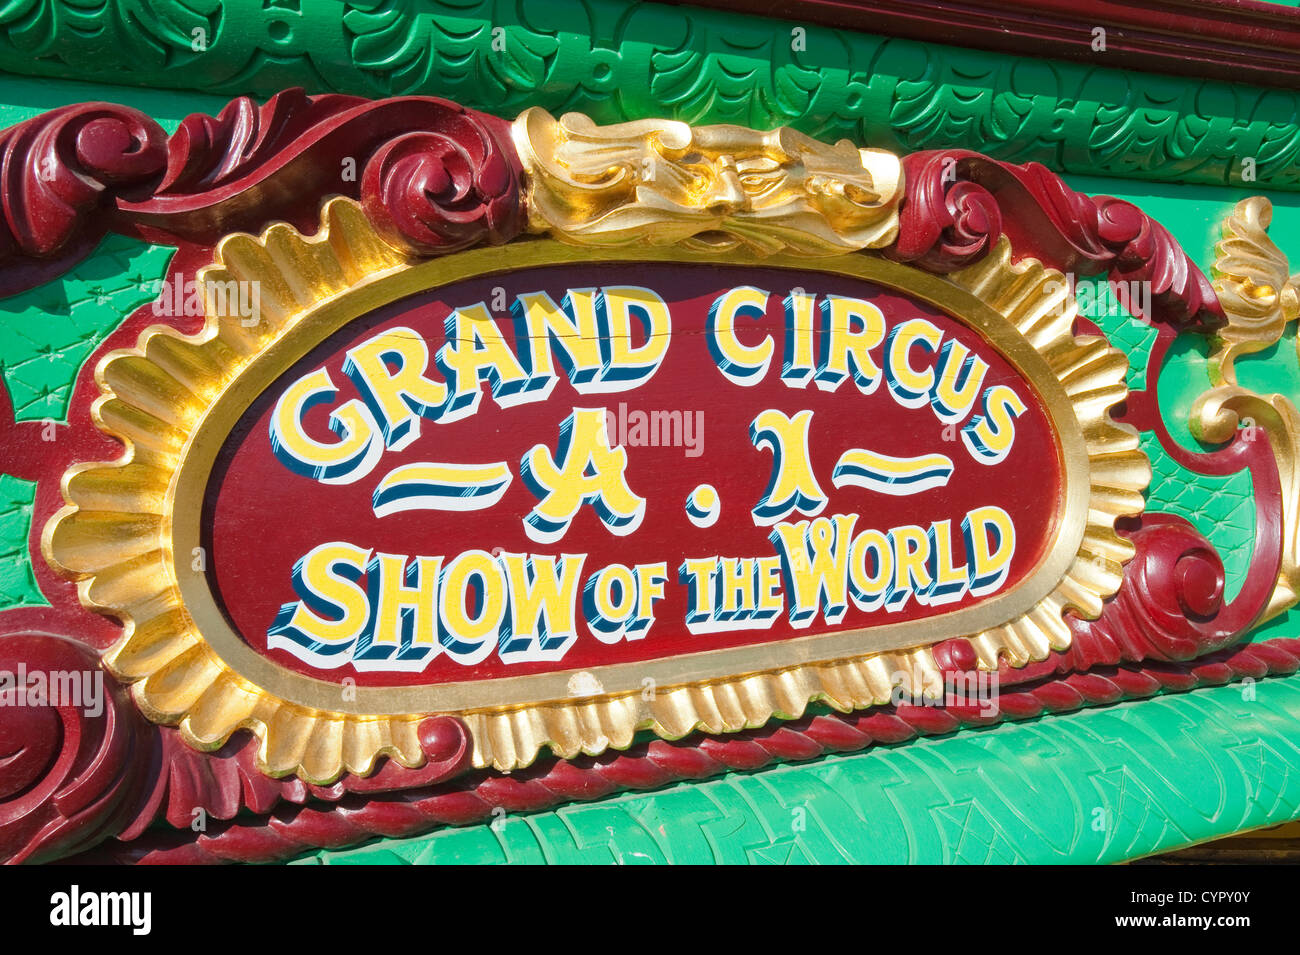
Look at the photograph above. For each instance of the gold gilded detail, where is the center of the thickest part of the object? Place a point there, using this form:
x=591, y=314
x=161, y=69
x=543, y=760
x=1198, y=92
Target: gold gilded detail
x=130, y=526
x=705, y=188
x=1253, y=284
x=1260, y=297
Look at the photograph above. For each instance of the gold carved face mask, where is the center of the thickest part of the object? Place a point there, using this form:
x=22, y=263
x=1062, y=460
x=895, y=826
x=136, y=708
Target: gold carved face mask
x=709, y=188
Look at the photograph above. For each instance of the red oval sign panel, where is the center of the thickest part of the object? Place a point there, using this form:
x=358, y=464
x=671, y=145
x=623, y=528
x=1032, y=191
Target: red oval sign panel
x=573, y=466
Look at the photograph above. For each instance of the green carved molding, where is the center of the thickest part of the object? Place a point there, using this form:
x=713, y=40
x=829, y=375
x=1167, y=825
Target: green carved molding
x=619, y=61
x=1052, y=790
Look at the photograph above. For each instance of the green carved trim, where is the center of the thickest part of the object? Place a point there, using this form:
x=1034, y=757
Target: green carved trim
x=619, y=61
x=1192, y=767
x=47, y=332
x=17, y=582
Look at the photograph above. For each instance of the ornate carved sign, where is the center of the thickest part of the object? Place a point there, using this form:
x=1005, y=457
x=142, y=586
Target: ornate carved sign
x=544, y=435
x=568, y=495
x=719, y=488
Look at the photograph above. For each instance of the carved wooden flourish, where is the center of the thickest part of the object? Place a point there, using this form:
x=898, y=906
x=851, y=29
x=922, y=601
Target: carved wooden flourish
x=433, y=178
x=62, y=171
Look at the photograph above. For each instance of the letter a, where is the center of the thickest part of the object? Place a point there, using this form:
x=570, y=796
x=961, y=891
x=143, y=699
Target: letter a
x=585, y=470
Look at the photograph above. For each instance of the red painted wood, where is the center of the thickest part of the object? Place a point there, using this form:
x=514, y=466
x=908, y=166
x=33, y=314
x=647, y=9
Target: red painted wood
x=433, y=176
x=1233, y=40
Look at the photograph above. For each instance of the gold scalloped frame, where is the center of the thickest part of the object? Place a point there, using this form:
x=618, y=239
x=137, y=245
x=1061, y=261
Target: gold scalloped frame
x=126, y=532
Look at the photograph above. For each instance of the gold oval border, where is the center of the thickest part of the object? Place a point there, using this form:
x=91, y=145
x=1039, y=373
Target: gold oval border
x=173, y=399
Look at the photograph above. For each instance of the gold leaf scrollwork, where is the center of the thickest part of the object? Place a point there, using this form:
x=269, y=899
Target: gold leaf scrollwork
x=1260, y=297
x=1252, y=283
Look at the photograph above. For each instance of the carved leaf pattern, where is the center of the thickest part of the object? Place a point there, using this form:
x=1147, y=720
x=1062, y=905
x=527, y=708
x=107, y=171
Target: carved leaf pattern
x=619, y=61
x=153, y=34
